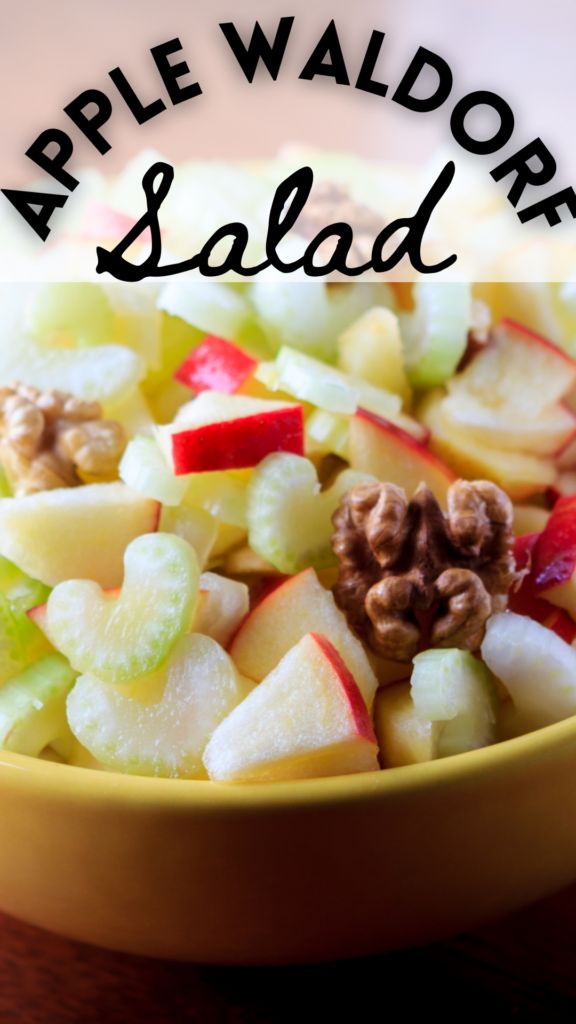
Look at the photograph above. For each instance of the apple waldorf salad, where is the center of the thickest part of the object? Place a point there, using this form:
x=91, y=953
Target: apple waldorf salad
x=276, y=531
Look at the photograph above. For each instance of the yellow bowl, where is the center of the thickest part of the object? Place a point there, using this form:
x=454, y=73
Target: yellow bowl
x=288, y=872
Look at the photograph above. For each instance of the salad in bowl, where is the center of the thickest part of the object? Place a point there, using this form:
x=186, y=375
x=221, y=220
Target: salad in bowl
x=259, y=533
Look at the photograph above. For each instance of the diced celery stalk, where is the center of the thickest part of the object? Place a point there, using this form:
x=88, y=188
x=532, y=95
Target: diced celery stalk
x=104, y=373
x=289, y=519
x=78, y=311
x=138, y=320
x=144, y=469
x=327, y=432
x=435, y=334
x=132, y=634
x=454, y=688
x=324, y=386
x=21, y=642
x=310, y=316
x=211, y=307
x=33, y=706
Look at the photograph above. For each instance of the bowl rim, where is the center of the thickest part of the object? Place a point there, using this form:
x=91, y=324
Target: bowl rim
x=72, y=783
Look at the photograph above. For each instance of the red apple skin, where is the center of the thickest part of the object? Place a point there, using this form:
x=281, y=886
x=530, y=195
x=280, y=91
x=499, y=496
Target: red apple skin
x=404, y=438
x=561, y=624
x=358, y=709
x=566, y=448
x=38, y=615
x=104, y=222
x=216, y=365
x=524, y=335
x=555, y=554
x=240, y=443
x=527, y=601
x=411, y=452
x=263, y=594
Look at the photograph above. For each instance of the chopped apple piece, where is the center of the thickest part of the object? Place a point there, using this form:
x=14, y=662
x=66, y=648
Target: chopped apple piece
x=520, y=475
x=306, y=719
x=562, y=624
x=537, y=668
x=528, y=601
x=390, y=454
x=195, y=526
x=329, y=432
x=530, y=519
x=216, y=365
x=238, y=444
x=166, y=737
x=404, y=735
x=132, y=413
x=518, y=371
x=75, y=532
x=219, y=432
x=144, y=469
x=214, y=407
x=121, y=637
x=283, y=617
x=245, y=562
x=501, y=428
x=555, y=557
x=222, y=605
x=372, y=350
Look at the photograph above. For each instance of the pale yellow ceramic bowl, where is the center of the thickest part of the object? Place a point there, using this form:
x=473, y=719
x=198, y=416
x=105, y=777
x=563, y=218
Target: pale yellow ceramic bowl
x=288, y=872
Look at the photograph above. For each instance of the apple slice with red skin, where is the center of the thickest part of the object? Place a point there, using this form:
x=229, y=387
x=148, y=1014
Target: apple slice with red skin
x=561, y=624
x=527, y=601
x=239, y=443
x=389, y=453
x=516, y=331
x=555, y=557
x=222, y=605
x=287, y=611
x=519, y=370
x=307, y=719
x=216, y=365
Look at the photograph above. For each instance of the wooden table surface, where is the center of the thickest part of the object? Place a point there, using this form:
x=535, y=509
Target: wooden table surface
x=522, y=968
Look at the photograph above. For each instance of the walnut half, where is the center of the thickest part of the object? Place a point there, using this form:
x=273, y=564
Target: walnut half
x=405, y=564
x=51, y=439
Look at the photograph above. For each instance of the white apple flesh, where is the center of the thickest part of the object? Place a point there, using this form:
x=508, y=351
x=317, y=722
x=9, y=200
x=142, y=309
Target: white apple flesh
x=307, y=719
x=286, y=614
x=75, y=532
x=389, y=453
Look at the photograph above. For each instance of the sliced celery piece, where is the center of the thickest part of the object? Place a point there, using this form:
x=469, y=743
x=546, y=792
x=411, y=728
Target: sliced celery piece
x=33, y=706
x=454, y=688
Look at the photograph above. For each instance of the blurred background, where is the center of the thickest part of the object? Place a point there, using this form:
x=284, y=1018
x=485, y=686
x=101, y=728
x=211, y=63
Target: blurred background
x=49, y=52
